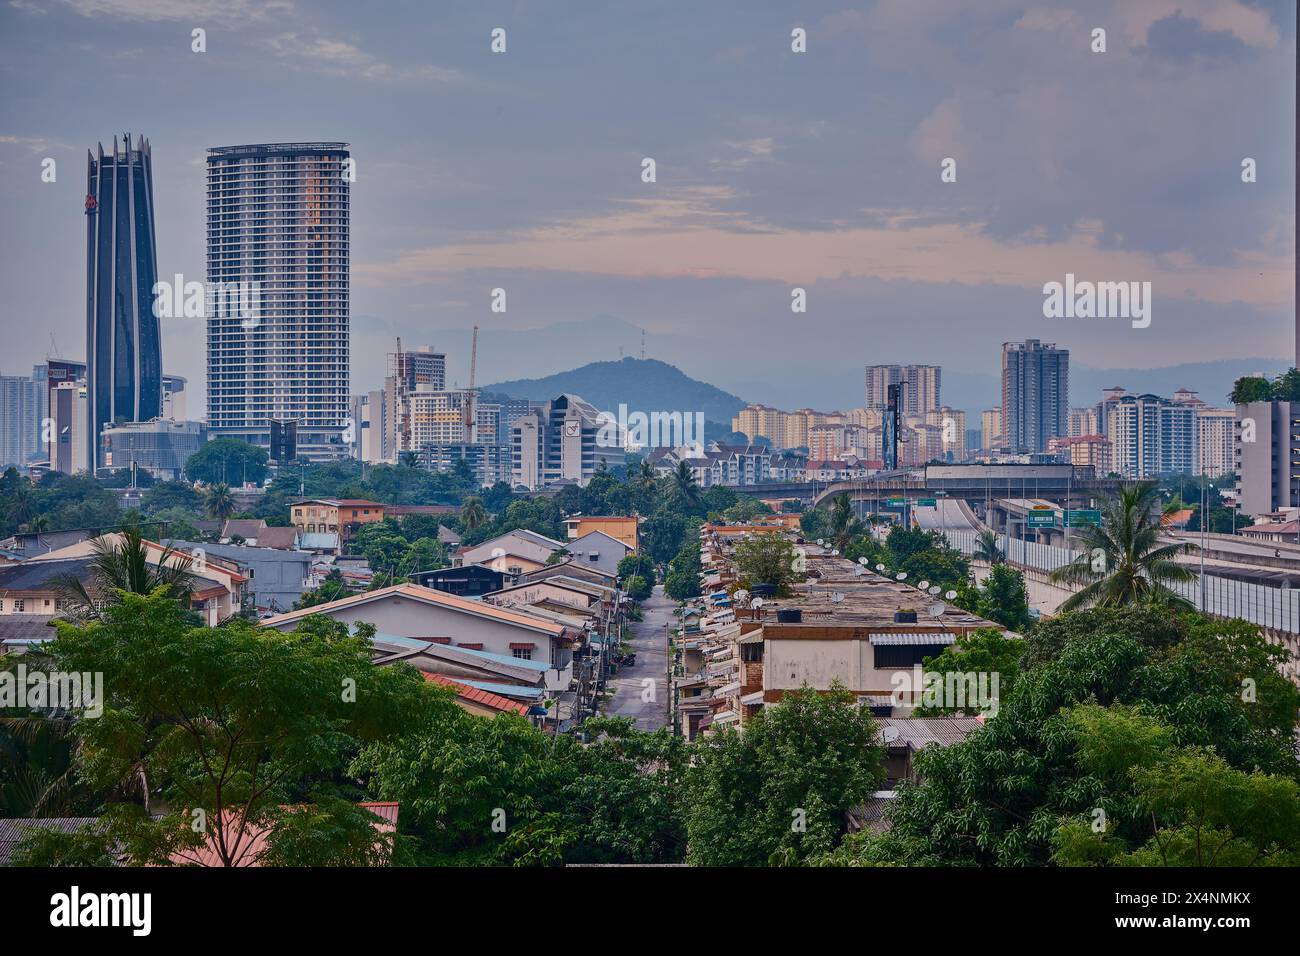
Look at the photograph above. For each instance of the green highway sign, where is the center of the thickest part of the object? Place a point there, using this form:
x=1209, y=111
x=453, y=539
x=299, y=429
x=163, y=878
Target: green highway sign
x=1042, y=519
x=897, y=502
x=1080, y=518
x=927, y=502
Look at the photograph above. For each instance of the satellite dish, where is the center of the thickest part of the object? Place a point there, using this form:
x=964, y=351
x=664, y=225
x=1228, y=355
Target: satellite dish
x=880, y=567
x=835, y=552
x=937, y=609
x=821, y=540
x=889, y=734
x=837, y=597
x=863, y=561
x=740, y=596
x=756, y=603
x=923, y=585
x=901, y=576
x=934, y=589
x=950, y=595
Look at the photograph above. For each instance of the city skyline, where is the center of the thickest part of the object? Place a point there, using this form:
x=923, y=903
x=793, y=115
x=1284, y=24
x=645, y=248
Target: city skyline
x=538, y=190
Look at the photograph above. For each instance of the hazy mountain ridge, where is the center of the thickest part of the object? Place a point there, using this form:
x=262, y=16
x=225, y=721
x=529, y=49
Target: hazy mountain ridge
x=643, y=385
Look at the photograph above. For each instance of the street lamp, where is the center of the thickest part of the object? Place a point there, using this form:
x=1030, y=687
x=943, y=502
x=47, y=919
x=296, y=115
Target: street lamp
x=1205, y=487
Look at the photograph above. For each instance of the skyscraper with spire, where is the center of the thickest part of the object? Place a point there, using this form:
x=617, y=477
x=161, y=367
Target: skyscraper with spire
x=123, y=345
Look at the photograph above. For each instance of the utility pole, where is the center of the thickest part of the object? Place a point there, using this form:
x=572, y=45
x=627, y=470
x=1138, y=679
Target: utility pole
x=668, y=677
x=1204, y=496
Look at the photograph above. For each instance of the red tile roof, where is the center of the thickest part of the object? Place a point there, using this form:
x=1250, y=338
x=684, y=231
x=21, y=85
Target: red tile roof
x=486, y=698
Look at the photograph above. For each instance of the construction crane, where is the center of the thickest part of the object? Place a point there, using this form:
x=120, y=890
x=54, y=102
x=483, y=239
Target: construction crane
x=471, y=411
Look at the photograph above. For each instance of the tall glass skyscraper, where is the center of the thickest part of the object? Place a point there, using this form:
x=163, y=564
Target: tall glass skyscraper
x=278, y=245
x=123, y=348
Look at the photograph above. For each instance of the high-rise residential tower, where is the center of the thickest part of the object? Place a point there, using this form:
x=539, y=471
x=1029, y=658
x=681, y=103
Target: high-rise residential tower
x=1035, y=395
x=278, y=249
x=24, y=404
x=919, y=395
x=123, y=347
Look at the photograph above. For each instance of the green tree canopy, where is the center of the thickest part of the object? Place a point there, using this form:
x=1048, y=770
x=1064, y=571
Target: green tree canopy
x=778, y=791
x=227, y=461
x=228, y=723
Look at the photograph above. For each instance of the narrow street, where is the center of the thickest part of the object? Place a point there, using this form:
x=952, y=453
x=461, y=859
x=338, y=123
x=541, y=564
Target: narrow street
x=649, y=640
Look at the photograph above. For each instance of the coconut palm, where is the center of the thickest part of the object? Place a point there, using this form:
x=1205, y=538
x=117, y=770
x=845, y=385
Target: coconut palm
x=472, y=513
x=684, y=479
x=219, y=501
x=1123, y=561
x=122, y=562
x=36, y=770
x=39, y=523
x=845, y=525
x=987, y=550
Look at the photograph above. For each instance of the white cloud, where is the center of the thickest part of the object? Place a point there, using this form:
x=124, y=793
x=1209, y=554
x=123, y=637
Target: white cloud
x=197, y=12
x=340, y=58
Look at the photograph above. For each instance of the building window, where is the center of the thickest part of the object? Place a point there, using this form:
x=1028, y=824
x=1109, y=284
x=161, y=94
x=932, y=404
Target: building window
x=20, y=605
x=522, y=653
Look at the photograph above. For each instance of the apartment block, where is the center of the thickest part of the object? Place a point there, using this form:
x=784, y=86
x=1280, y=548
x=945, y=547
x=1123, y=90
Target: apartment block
x=1035, y=394
x=560, y=443
x=23, y=410
x=279, y=221
x=1268, y=456
x=1151, y=436
x=920, y=394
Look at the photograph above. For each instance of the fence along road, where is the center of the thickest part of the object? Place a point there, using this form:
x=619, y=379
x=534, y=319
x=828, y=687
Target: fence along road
x=1277, y=609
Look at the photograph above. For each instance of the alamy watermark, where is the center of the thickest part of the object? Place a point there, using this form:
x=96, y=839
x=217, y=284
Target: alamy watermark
x=634, y=430
x=199, y=300
x=1098, y=300
x=23, y=689
x=953, y=690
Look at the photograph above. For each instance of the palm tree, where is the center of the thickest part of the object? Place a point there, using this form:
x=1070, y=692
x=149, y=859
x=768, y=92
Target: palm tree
x=646, y=475
x=220, y=502
x=39, y=523
x=472, y=513
x=122, y=562
x=987, y=550
x=1123, y=561
x=845, y=525
x=684, y=478
x=408, y=459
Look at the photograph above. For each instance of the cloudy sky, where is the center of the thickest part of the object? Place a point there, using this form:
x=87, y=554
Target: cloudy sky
x=775, y=169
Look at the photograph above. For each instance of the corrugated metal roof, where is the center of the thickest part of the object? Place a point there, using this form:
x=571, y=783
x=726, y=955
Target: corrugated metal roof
x=14, y=831
x=916, y=732
x=40, y=575
x=417, y=643
x=505, y=690
x=25, y=628
x=914, y=639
